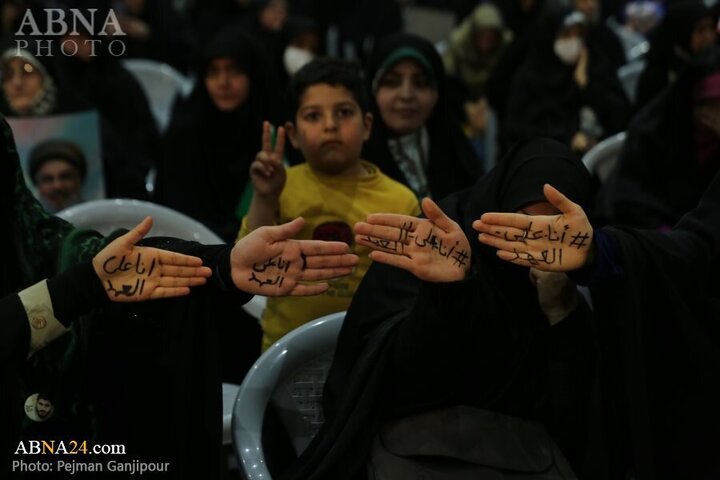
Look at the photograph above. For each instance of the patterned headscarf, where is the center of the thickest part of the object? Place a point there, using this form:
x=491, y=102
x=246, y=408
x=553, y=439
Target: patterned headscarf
x=45, y=101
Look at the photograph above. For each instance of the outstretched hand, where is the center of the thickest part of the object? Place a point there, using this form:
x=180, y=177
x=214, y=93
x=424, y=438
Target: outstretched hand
x=132, y=274
x=268, y=262
x=267, y=171
x=434, y=249
x=552, y=243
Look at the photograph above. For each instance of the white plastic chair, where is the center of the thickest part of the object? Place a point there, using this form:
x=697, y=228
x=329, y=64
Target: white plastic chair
x=629, y=76
x=229, y=393
x=601, y=159
x=291, y=374
x=161, y=84
x=108, y=215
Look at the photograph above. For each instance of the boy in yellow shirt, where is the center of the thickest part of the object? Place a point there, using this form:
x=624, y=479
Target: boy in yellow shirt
x=332, y=190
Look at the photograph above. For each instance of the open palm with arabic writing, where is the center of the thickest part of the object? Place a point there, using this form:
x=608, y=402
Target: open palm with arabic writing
x=269, y=262
x=552, y=243
x=434, y=249
x=132, y=274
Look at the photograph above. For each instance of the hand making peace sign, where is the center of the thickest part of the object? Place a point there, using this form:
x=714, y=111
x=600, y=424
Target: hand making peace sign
x=267, y=171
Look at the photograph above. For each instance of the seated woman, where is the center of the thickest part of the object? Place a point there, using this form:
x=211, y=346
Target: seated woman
x=475, y=48
x=671, y=153
x=416, y=138
x=687, y=29
x=564, y=89
x=460, y=338
x=31, y=87
x=214, y=134
x=657, y=309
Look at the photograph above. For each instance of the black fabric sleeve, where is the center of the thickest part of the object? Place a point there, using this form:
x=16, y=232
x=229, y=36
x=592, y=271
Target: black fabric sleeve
x=216, y=257
x=605, y=265
x=14, y=330
x=75, y=292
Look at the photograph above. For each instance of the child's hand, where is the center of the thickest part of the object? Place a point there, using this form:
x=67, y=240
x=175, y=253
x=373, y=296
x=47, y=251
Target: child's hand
x=267, y=172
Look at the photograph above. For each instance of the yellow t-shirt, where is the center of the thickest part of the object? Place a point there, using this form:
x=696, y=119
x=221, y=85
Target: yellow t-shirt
x=331, y=206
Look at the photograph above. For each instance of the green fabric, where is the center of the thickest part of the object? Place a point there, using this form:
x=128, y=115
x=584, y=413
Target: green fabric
x=245, y=200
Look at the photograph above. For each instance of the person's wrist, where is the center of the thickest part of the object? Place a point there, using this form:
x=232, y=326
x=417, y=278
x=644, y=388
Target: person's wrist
x=268, y=199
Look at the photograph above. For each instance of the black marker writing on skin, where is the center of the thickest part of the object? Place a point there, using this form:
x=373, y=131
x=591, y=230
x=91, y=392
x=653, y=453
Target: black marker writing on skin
x=112, y=266
x=271, y=281
x=579, y=240
x=387, y=245
x=405, y=231
x=548, y=257
x=278, y=262
x=127, y=290
x=124, y=265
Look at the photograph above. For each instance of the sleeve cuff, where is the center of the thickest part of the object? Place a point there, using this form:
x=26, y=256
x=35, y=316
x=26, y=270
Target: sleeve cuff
x=44, y=327
x=223, y=272
x=75, y=292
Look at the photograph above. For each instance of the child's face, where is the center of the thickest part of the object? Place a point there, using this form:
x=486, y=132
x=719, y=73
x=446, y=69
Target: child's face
x=227, y=85
x=330, y=129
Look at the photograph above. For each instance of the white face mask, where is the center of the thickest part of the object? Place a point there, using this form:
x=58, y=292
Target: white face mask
x=568, y=49
x=295, y=58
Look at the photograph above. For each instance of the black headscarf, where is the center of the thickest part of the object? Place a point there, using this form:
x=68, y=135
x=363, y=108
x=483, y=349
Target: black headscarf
x=658, y=177
x=409, y=346
x=516, y=18
x=452, y=165
x=670, y=52
x=206, y=153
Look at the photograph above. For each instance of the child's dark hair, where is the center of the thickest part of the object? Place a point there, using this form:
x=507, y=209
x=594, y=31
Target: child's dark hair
x=330, y=71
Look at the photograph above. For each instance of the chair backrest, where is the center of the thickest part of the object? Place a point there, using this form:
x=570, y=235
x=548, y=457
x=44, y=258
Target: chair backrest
x=629, y=76
x=229, y=393
x=601, y=159
x=110, y=214
x=161, y=84
x=432, y=23
x=291, y=374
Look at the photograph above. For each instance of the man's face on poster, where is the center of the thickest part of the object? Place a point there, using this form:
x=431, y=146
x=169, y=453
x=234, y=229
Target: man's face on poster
x=43, y=407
